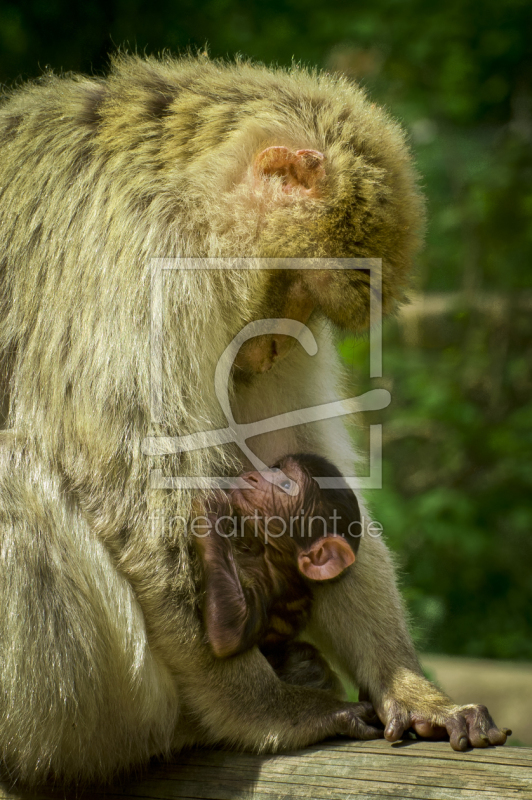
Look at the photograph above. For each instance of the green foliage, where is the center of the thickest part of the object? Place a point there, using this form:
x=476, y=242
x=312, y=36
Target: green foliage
x=457, y=483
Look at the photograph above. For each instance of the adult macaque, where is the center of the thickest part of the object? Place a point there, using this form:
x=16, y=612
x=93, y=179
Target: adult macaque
x=104, y=661
x=272, y=545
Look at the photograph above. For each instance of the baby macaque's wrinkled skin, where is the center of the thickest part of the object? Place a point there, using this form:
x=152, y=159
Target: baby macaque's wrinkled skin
x=104, y=661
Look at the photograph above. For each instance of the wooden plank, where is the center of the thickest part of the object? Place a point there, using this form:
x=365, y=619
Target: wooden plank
x=335, y=770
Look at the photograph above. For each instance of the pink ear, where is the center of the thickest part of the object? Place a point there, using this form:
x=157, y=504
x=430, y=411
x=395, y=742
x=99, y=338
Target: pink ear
x=300, y=171
x=326, y=558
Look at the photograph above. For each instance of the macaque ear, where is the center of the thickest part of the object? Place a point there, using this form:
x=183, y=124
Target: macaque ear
x=300, y=171
x=325, y=559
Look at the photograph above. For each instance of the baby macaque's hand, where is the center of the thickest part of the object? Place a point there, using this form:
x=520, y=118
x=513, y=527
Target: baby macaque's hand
x=466, y=726
x=359, y=721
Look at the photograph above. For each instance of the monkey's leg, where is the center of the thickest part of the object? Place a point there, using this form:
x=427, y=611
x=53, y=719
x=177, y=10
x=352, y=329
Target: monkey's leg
x=241, y=702
x=359, y=623
x=301, y=664
x=82, y=694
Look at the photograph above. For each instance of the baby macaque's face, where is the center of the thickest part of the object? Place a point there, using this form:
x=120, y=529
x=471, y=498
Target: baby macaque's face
x=285, y=491
x=276, y=491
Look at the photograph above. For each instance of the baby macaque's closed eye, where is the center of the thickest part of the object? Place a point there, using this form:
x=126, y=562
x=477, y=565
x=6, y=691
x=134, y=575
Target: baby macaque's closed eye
x=326, y=558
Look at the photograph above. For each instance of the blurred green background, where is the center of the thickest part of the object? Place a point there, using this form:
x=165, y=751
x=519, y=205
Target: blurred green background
x=456, y=504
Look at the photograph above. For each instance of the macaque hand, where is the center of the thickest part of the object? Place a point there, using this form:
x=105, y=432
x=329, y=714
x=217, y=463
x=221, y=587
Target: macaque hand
x=359, y=721
x=466, y=726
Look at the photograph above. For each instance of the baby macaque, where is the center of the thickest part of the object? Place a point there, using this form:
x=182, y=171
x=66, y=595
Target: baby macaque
x=264, y=550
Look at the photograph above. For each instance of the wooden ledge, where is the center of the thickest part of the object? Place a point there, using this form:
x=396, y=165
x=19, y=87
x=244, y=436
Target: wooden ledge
x=337, y=769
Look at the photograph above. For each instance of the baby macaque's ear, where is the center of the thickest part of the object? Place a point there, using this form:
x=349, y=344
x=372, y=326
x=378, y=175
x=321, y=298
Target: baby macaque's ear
x=325, y=559
x=300, y=171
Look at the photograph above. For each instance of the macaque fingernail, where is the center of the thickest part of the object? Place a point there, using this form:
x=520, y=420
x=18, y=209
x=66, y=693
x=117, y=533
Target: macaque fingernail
x=392, y=731
x=463, y=742
x=507, y=731
x=484, y=738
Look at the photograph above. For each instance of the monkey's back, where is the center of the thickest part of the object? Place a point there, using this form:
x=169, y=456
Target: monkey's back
x=97, y=175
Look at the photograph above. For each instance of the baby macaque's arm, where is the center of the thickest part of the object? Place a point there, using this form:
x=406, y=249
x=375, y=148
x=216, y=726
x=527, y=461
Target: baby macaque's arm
x=234, y=618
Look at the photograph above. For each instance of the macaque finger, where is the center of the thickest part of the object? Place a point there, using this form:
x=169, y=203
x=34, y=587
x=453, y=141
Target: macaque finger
x=367, y=712
x=396, y=726
x=428, y=731
x=457, y=730
x=479, y=722
x=359, y=729
x=498, y=735
x=369, y=732
x=478, y=738
x=353, y=721
x=467, y=726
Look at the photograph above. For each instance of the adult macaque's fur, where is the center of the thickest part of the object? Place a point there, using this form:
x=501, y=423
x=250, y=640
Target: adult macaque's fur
x=103, y=661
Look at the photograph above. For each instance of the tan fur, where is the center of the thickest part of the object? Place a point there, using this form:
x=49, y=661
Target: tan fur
x=103, y=658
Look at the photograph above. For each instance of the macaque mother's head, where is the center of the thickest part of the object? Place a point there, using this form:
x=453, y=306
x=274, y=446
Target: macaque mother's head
x=279, y=164
x=315, y=170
